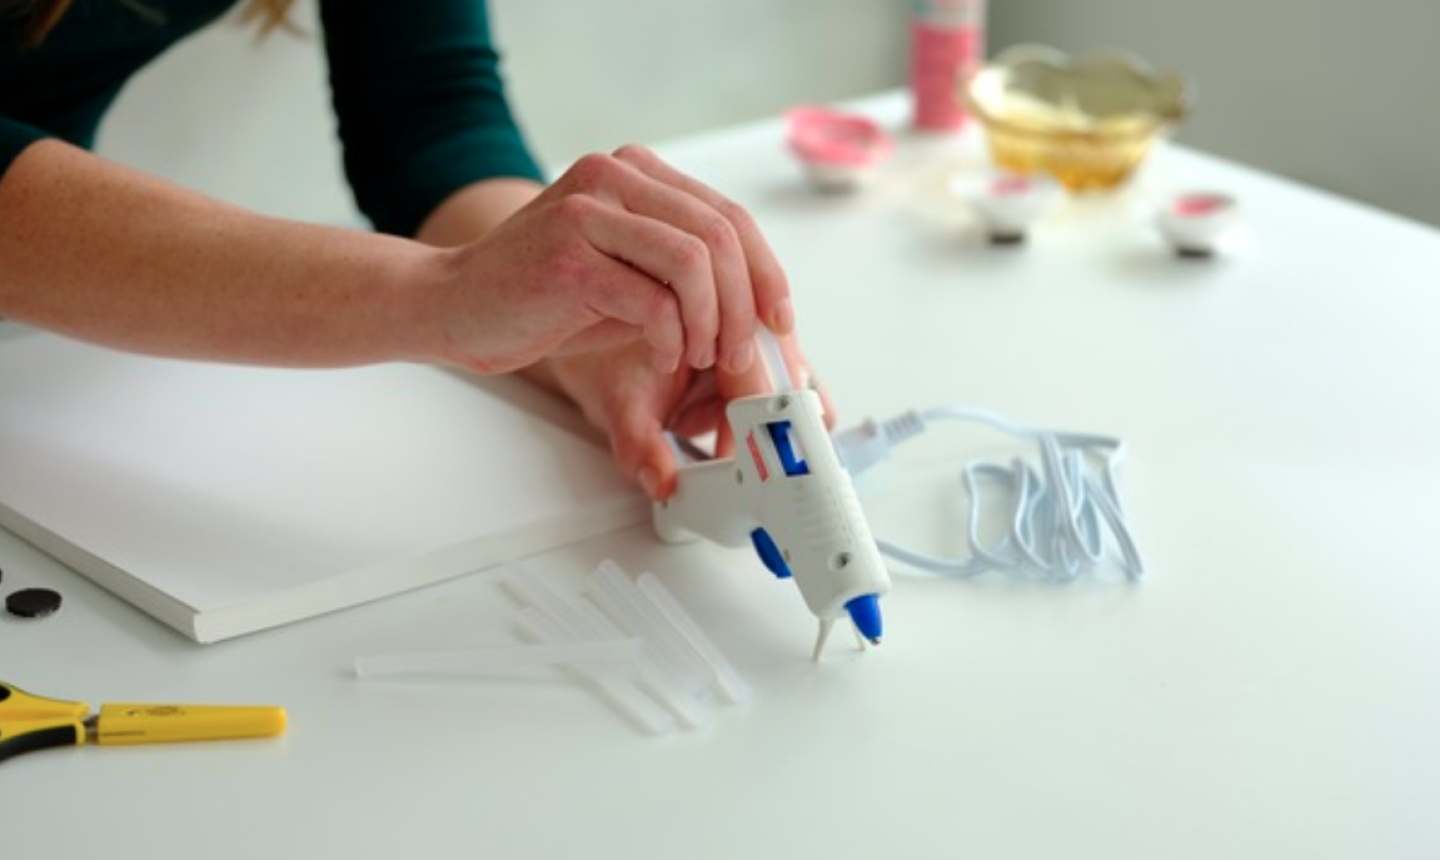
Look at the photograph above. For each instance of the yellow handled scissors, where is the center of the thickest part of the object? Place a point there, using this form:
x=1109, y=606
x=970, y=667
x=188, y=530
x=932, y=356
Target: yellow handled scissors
x=29, y=722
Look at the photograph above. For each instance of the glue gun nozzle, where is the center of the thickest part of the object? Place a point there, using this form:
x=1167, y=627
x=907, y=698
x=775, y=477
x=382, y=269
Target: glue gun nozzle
x=865, y=613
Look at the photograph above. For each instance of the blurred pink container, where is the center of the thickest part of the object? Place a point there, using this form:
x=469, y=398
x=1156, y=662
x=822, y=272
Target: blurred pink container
x=947, y=43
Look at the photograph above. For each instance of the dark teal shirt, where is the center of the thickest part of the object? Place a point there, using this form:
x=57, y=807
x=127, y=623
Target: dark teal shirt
x=415, y=84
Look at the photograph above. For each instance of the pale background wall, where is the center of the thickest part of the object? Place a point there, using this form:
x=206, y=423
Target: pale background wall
x=251, y=122
x=1337, y=94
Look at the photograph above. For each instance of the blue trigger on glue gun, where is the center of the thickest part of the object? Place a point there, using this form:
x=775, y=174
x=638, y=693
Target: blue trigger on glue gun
x=769, y=553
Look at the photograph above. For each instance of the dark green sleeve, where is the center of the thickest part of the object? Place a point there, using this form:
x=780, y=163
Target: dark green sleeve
x=14, y=137
x=420, y=104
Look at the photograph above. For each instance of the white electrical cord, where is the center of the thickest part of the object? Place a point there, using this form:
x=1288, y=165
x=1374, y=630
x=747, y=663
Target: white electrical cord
x=1058, y=515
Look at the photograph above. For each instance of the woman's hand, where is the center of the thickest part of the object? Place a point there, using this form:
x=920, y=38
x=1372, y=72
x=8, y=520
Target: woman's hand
x=619, y=248
x=635, y=404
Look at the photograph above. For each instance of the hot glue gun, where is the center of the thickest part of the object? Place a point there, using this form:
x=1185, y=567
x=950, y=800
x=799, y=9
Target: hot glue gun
x=786, y=493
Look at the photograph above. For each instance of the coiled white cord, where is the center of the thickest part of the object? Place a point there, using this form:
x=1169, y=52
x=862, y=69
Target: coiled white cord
x=1059, y=514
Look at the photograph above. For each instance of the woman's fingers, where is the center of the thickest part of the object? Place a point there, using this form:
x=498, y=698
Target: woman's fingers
x=679, y=306
x=696, y=242
x=619, y=247
x=721, y=314
x=769, y=289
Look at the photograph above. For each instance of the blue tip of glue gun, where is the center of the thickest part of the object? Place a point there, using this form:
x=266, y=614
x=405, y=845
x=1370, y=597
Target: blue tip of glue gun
x=865, y=612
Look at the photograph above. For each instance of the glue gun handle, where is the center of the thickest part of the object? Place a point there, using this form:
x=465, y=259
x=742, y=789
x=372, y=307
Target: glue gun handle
x=707, y=503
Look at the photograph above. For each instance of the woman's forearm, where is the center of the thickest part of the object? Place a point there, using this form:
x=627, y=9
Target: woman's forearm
x=475, y=210
x=106, y=254
x=619, y=248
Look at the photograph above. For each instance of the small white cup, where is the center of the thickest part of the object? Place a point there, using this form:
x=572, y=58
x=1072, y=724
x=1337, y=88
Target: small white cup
x=1195, y=223
x=1008, y=203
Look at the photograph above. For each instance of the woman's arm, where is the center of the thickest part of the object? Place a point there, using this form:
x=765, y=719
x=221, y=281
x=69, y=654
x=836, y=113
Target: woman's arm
x=617, y=249
x=107, y=254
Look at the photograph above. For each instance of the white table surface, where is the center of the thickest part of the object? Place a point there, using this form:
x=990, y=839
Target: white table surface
x=1267, y=691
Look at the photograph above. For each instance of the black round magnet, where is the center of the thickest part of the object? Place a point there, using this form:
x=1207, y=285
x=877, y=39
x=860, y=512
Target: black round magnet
x=33, y=602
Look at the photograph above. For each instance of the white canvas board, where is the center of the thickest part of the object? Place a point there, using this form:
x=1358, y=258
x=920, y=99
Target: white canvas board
x=258, y=495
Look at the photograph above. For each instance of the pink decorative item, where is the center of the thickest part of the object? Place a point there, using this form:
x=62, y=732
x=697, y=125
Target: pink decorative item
x=840, y=150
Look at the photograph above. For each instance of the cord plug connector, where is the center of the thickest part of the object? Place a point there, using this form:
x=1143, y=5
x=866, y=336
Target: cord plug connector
x=868, y=443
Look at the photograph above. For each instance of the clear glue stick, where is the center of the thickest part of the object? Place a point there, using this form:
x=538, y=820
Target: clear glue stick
x=947, y=42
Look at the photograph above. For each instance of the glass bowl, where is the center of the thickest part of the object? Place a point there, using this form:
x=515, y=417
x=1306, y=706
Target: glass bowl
x=1087, y=121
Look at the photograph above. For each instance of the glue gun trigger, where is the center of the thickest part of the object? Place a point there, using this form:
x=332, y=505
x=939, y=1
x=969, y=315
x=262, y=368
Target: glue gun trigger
x=770, y=553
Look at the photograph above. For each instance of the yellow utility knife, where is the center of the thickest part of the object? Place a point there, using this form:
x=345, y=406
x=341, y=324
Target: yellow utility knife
x=29, y=722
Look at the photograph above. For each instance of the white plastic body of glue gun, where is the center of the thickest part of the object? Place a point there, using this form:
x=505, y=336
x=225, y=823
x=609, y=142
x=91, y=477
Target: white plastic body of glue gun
x=786, y=493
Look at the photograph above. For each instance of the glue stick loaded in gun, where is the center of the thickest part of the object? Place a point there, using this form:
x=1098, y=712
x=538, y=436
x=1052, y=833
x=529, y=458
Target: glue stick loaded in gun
x=786, y=493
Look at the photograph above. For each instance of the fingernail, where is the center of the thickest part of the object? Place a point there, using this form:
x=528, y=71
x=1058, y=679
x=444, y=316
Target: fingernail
x=783, y=320
x=742, y=357
x=649, y=481
x=707, y=357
